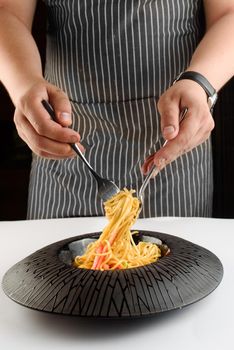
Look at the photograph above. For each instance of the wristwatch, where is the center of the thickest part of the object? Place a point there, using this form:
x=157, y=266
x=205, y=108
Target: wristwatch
x=204, y=83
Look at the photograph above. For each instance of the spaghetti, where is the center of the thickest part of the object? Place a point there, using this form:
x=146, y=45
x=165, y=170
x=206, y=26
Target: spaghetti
x=115, y=248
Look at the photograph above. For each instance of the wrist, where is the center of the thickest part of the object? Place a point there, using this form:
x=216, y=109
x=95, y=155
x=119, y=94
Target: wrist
x=203, y=82
x=24, y=86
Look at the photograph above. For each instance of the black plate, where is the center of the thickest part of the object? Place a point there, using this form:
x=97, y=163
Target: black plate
x=47, y=281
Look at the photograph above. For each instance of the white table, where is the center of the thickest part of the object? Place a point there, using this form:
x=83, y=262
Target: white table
x=207, y=324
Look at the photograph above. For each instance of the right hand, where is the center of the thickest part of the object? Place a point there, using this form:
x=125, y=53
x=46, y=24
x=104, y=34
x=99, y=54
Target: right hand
x=45, y=137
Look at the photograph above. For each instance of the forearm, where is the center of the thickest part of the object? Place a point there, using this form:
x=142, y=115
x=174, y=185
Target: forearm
x=20, y=63
x=214, y=56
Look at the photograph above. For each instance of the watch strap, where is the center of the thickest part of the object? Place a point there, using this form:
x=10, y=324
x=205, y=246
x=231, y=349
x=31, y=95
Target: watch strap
x=203, y=82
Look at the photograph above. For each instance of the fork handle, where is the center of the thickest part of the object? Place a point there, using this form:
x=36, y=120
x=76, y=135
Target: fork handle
x=74, y=146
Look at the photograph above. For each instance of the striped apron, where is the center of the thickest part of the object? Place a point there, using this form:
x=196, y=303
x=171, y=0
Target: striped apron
x=114, y=58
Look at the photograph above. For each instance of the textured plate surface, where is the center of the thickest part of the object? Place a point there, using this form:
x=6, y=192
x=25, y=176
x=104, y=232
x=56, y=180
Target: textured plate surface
x=47, y=281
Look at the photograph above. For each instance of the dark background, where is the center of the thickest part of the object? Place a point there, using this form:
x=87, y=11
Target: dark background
x=16, y=157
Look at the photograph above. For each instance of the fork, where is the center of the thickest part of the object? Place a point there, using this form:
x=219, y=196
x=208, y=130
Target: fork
x=106, y=188
x=154, y=171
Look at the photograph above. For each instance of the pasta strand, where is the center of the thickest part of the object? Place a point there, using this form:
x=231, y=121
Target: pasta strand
x=115, y=248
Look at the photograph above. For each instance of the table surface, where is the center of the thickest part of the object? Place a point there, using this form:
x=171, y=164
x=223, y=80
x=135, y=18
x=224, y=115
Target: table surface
x=207, y=324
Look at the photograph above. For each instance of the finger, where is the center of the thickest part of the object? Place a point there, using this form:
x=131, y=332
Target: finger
x=61, y=105
x=45, y=126
x=169, y=111
x=42, y=154
x=42, y=145
x=191, y=134
x=147, y=165
x=150, y=161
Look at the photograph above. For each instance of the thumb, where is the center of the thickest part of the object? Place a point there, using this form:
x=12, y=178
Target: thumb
x=61, y=106
x=169, y=113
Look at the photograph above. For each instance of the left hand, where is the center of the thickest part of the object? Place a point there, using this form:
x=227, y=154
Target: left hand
x=193, y=130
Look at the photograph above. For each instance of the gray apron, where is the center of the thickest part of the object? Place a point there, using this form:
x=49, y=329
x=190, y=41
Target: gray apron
x=114, y=58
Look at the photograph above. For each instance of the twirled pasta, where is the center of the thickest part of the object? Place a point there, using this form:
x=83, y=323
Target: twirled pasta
x=115, y=248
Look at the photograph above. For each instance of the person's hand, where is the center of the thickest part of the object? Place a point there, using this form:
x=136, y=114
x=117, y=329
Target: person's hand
x=45, y=137
x=193, y=130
